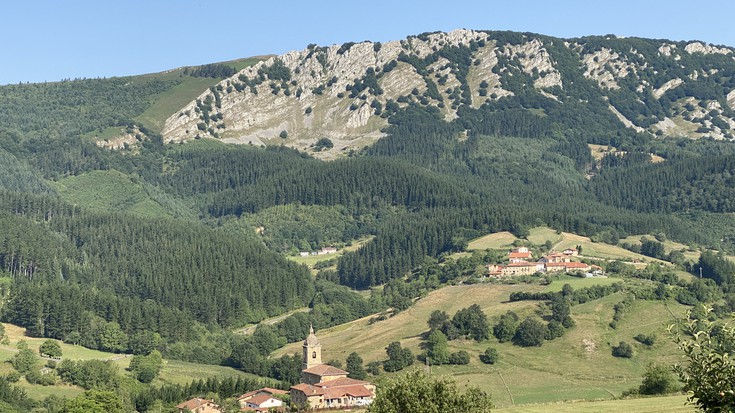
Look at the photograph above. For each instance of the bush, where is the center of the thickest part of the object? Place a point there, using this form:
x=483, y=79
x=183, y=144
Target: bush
x=490, y=356
x=531, y=332
x=417, y=392
x=459, y=358
x=322, y=144
x=506, y=327
x=283, y=134
x=648, y=340
x=623, y=349
x=658, y=380
x=554, y=330
x=50, y=348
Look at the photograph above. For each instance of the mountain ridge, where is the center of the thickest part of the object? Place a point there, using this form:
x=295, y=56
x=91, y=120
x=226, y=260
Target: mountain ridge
x=346, y=92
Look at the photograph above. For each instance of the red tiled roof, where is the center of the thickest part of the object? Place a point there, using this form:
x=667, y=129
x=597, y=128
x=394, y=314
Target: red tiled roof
x=519, y=254
x=194, y=403
x=556, y=264
x=260, y=399
x=576, y=265
x=326, y=370
x=308, y=389
x=522, y=264
x=342, y=381
x=354, y=391
x=268, y=390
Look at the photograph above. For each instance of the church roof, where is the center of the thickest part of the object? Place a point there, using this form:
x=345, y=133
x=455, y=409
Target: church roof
x=308, y=389
x=354, y=391
x=325, y=370
x=342, y=381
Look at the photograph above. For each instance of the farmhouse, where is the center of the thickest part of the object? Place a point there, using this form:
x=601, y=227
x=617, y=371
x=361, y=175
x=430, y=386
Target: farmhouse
x=328, y=250
x=198, y=405
x=553, y=262
x=571, y=251
x=262, y=400
x=327, y=387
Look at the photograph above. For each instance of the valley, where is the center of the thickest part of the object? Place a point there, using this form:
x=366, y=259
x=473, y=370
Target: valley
x=186, y=229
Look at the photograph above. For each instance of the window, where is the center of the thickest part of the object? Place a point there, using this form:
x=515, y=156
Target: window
x=313, y=355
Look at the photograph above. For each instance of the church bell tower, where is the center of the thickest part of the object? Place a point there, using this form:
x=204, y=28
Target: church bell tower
x=312, y=351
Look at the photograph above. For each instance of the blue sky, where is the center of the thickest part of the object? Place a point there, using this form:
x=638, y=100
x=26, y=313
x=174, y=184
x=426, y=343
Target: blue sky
x=53, y=40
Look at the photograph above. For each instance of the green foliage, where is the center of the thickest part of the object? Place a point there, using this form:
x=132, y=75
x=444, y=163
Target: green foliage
x=146, y=368
x=490, y=356
x=506, y=327
x=354, y=366
x=323, y=144
x=531, y=332
x=658, y=379
x=472, y=322
x=95, y=401
x=89, y=374
x=647, y=339
x=623, y=350
x=398, y=357
x=419, y=393
x=50, y=348
x=437, y=350
x=459, y=358
x=25, y=361
x=213, y=70
x=709, y=370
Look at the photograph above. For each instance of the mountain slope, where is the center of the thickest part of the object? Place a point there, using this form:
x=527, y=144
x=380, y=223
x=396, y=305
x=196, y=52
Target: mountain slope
x=346, y=92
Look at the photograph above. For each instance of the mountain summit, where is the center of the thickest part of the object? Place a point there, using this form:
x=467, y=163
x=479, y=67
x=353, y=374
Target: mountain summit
x=346, y=92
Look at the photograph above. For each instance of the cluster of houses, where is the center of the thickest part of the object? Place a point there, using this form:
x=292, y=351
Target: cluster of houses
x=520, y=262
x=322, y=387
x=262, y=400
x=323, y=251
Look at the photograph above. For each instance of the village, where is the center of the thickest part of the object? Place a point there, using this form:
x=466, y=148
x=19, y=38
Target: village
x=520, y=263
x=322, y=387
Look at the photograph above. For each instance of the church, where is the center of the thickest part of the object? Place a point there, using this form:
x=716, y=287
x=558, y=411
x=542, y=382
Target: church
x=326, y=387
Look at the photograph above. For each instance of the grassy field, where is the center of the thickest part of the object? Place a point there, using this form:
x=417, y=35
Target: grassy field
x=310, y=260
x=114, y=191
x=581, y=368
x=174, y=371
x=673, y=404
x=560, y=241
x=175, y=98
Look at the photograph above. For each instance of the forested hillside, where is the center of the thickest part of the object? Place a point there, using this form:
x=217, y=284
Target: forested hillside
x=115, y=237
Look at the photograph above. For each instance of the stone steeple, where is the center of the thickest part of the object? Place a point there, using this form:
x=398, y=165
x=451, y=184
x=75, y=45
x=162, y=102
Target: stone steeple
x=312, y=350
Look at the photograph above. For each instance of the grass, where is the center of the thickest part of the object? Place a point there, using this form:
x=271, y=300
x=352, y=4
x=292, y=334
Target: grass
x=674, y=404
x=577, y=366
x=496, y=241
x=114, y=191
x=172, y=100
x=310, y=260
x=174, y=371
x=560, y=241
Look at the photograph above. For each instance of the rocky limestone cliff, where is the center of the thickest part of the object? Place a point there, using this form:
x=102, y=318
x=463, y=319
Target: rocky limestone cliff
x=346, y=92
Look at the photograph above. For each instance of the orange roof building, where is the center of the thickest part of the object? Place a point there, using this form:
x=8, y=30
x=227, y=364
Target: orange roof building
x=327, y=387
x=198, y=405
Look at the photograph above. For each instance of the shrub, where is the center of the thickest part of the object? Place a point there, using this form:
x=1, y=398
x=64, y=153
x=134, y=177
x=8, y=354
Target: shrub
x=490, y=356
x=322, y=144
x=623, y=349
x=459, y=358
x=531, y=332
x=648, y=340
x=657, y=380
x=283, y=134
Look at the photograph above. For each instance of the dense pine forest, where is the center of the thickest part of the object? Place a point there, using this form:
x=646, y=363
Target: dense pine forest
x=208, y=256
